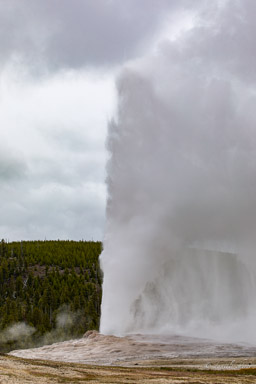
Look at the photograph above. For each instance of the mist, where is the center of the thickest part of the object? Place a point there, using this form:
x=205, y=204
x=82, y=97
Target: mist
x=21, y=335
x=16, y=332
x=179, y=247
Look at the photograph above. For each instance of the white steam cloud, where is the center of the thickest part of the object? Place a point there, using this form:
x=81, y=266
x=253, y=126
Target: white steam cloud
x=179, y=249
x=15, y=332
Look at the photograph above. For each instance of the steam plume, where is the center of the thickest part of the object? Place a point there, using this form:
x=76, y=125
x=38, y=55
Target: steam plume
x=179, y=249
x=16, y=332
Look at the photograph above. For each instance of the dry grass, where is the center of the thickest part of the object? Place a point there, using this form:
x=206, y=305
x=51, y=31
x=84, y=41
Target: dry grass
x=18, y=370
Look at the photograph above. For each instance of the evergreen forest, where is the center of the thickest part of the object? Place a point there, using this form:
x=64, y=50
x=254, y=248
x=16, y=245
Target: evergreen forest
x=49, y=291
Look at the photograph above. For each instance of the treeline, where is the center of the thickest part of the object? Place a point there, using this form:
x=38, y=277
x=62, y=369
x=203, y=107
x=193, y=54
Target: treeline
x=48, y=290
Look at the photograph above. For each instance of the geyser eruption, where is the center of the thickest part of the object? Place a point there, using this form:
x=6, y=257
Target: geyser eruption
x=179, y=249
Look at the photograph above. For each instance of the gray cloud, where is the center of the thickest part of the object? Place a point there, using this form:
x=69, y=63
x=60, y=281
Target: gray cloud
x=52, y=158
x=64, y=34
x=52, y=210
x=54, y=122
x=228, y=30
x=12, y=167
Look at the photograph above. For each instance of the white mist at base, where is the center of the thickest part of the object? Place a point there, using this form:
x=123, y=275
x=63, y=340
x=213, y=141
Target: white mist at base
x=180, y=241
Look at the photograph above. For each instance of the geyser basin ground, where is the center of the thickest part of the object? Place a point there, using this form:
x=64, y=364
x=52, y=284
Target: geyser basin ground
x=95, y=348
x=133, y=359
x=15, y=370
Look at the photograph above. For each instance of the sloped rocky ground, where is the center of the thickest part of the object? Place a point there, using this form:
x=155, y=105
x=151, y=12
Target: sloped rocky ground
x=95, y=348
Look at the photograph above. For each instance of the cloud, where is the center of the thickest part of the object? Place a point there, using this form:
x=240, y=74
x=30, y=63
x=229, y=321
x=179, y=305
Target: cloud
x=62, y=34
x=57, y=68
x=52, y=170
x=12, y=167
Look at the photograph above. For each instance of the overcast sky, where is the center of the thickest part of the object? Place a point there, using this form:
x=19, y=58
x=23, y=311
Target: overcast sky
x=58, y=63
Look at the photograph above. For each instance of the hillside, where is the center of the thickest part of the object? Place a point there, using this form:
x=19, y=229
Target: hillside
x=49, y=290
